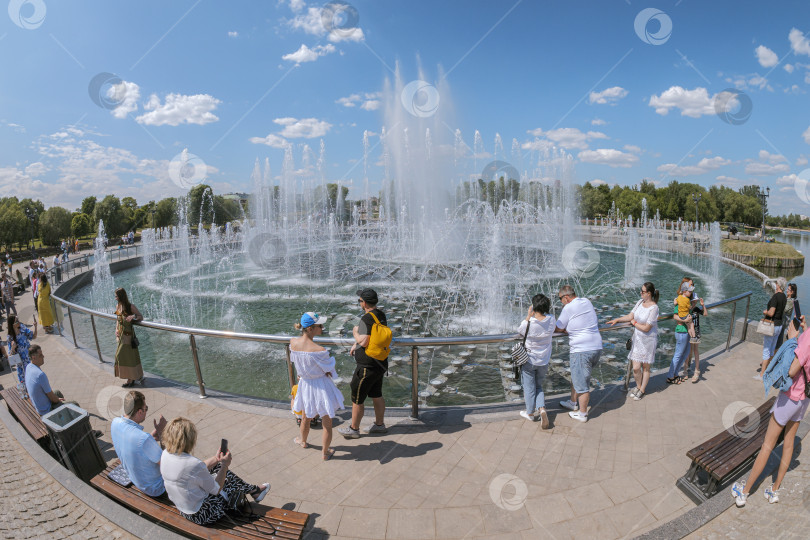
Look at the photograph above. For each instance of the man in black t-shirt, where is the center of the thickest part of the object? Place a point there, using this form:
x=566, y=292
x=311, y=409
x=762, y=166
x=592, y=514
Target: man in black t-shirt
x=774, y=312
x=368, y=376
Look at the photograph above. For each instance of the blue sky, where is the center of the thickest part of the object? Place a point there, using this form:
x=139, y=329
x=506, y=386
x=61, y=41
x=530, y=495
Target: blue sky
x=230, y=83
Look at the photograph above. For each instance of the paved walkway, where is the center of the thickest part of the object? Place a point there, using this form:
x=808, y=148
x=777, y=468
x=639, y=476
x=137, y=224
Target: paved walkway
x=493, y=477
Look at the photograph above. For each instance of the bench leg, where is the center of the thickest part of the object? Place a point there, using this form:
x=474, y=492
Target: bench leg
x=692, y=474
x=711, y=487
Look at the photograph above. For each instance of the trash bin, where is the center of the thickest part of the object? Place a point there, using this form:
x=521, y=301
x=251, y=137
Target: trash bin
x=74, y=441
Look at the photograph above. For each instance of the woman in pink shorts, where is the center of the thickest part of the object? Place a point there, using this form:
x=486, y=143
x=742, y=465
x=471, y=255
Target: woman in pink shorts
x=786, y=414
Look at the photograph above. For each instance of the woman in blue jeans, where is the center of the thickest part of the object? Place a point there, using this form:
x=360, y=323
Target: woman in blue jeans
x=681, y=346
x=540, y=326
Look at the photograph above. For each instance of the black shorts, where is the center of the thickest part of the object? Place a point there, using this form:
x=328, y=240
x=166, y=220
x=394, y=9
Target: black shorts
x=366, y=382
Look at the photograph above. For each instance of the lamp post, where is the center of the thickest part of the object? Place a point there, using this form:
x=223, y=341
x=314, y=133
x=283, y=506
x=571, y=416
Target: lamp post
x=31, y=213
x=763, y=199
x=153, y=215
x=696, y=199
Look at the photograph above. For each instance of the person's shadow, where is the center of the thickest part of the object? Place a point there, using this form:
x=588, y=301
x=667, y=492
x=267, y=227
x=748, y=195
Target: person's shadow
x=384, y=451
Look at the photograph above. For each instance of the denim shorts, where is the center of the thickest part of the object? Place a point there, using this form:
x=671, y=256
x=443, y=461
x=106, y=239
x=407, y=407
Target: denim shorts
x=581, y=364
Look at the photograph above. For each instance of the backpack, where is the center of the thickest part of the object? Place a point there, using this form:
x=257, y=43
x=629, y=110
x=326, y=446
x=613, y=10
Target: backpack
x=379, y=341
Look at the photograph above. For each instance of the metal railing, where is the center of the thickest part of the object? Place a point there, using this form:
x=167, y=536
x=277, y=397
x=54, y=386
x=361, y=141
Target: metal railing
x=413, y=343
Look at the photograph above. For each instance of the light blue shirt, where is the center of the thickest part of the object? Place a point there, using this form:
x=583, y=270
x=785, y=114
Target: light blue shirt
x=36, y=382
x=140, y=454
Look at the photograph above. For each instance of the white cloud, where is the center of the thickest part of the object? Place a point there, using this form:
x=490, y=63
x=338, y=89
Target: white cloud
x=233, y=34
x=271, y=140
x=126, y=94
x=766, y=57
x=297, y=5
x=749, y=82
x=598, y=182
x=370, y=101
x=609, y=95
x=36, y=169
x=571, y=138
x=788, y=67
x=305, y=54
x=608, y=156
x=768, y=164
x=693, y=103
x=764, y=155
x=632, y=148
x=801, y=161
x=703, y=166
x=798, y=42
x=311, y=22
x=787, y=180
x=308, y=128
x=806, y=135
x=537, y=144
x=598, y=122
x=179, y=109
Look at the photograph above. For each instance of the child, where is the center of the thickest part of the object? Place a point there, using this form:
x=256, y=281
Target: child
x=684, y=304
x=313, y=422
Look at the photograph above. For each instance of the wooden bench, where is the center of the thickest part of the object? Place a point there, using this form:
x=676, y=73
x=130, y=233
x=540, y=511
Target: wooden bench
x=264, y=523
x=721, y=458
x=23, y=410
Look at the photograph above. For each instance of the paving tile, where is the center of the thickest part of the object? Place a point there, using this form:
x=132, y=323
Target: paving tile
x=622, y=487
x=359, y=522
x=458, y=522
x=411, y=523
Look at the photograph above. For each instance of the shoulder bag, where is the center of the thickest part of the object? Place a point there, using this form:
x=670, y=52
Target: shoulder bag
x=806, y=382
x=519, y=353
x=765, y=327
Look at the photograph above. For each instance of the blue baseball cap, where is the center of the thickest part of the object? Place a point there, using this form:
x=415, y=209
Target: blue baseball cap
x=310, y=317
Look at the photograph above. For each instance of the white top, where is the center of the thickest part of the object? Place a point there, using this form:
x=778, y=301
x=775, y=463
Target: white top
x=538, y=342
x=187, y=481
x=645, y=343
x=317, y=393
x=312, y=365
x=579, y=319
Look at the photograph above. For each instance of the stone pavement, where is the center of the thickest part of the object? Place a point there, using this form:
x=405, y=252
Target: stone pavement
x=34, y=505
x=494, y=476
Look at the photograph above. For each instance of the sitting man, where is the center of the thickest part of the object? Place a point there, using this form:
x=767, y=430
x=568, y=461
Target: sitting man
x=39, y=388
x=138, y=451
x=36, y=382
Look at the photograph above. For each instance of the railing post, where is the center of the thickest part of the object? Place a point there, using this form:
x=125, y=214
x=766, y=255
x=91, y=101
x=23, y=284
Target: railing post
x=745, y=322
x=197, y=369
x=415, y=383
x=290, y=371
x=72, y=329
x=95, y=336
x=731, y=325
x=627, y=375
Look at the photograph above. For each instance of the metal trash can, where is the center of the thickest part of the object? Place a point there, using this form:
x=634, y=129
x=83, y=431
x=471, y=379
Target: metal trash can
x=73, y=439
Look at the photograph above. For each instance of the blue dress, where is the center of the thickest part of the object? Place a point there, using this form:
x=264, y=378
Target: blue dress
x=23, y=342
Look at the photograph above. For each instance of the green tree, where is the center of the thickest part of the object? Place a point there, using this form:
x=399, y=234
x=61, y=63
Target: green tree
x=55, y=225
x=81, y=225
x=166, y=212
x=109, y=211
x=88, y=205
x=13, y=223
x=200, y=204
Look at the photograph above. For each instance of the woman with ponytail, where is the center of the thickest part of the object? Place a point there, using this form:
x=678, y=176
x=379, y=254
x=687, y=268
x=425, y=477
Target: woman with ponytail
x=644, y=319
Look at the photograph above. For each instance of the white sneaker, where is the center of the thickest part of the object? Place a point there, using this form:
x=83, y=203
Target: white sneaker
x=544, y=423
x=578, y=416
x=527, y=416
x=738, y=495
x=570, y=405
x=771, y=495
x=757, y=377
x=638, y=395
x=374, y=428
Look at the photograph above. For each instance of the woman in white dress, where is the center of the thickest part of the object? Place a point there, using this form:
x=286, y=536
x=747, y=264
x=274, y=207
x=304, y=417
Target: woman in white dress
x=317, y=393
x=644, y=319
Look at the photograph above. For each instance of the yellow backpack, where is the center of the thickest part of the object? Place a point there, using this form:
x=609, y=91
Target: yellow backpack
x=379, y=341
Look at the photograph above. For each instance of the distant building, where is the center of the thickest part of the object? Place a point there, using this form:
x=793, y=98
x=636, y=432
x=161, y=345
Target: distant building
x=241, y=198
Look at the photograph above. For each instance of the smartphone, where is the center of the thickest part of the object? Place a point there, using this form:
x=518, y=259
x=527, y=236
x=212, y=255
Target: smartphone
x=223, y=446
x=797, y=315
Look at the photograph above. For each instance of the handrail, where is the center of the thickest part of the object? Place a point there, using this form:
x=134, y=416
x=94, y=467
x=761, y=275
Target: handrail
x=412, y=342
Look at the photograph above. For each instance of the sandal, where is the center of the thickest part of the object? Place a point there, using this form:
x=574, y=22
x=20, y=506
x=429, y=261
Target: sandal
x=674, y=380
x=297, y=441
x=695, y=378
x=328, y=455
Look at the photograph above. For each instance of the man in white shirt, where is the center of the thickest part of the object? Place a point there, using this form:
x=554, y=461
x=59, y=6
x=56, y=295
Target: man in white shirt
x=578, y=320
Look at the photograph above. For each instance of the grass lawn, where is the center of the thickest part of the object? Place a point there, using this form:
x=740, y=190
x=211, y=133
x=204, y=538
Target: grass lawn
x=761, y=249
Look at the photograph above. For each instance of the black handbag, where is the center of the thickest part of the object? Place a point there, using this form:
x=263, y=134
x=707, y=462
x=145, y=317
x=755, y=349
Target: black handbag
x=134, y=341
x=519, y=353
x=806, y=383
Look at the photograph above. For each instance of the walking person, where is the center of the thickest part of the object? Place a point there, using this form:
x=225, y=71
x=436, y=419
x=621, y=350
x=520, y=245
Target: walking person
x=774, y=312
x=127, y=358
x=578, y=320
x=644, y=318
x=317, y=394
x=201, y=490
x=698, y=310
x=19, y=342
x=792, y=293
x=681, y=337
x=367, y=380
x=540, y=326
x=8, y=295
x=44, y=303
x=786, y=414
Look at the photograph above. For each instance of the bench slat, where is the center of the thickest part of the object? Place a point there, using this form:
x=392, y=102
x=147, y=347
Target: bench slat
x=272, y=522
x=24, y=412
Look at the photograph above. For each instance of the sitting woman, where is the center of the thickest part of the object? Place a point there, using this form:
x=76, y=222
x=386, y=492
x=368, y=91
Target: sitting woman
x=202, y=490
